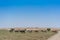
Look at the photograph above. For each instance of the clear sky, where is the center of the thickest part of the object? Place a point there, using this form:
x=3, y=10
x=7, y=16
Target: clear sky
x=29, y=13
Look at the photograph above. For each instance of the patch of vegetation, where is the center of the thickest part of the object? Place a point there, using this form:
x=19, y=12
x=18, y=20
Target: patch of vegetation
x=48, y=29
x=6, y=35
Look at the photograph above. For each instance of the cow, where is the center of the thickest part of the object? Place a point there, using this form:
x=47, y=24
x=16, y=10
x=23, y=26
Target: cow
x=54, y=31
x=16, y=30
x=22, y=30
x=29, y=31
x=11, y=30
x=43, y=30
x=36, y=30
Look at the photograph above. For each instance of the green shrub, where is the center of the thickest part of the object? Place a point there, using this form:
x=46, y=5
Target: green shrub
x=48, y=29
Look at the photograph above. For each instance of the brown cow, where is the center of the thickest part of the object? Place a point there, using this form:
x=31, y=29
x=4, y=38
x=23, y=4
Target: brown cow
x=54, y=31
x=11, y=30
x=43, y=30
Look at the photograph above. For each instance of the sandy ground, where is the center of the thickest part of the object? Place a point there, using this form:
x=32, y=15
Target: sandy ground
x=55, y=37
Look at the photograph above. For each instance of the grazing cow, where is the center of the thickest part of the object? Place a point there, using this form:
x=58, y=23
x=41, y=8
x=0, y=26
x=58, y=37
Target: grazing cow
x=11, y=30
x=43, y=30
x=33, y=30
x=54, y=31
x=16, y=30
x=23, y=30
x=29, y=31
x=36, y=31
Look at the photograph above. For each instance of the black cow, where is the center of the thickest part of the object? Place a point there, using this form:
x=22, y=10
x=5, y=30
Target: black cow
x=23, y=31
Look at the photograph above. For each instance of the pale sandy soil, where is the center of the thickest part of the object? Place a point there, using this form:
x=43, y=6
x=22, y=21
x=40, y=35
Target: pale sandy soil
x=55, y=37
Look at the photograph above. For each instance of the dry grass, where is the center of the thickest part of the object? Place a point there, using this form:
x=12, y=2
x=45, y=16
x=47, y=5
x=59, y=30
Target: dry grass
x=5, y=35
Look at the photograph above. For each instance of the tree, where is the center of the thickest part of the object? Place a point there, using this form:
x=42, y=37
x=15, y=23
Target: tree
x=48, y=29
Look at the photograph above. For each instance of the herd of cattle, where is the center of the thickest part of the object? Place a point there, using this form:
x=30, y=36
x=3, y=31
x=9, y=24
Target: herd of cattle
x=30, y=30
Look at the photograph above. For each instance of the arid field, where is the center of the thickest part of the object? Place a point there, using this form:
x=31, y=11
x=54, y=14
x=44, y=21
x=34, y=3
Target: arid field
x=6, y=35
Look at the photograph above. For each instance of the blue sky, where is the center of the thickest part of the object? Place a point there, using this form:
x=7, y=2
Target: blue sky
x=29, y=13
